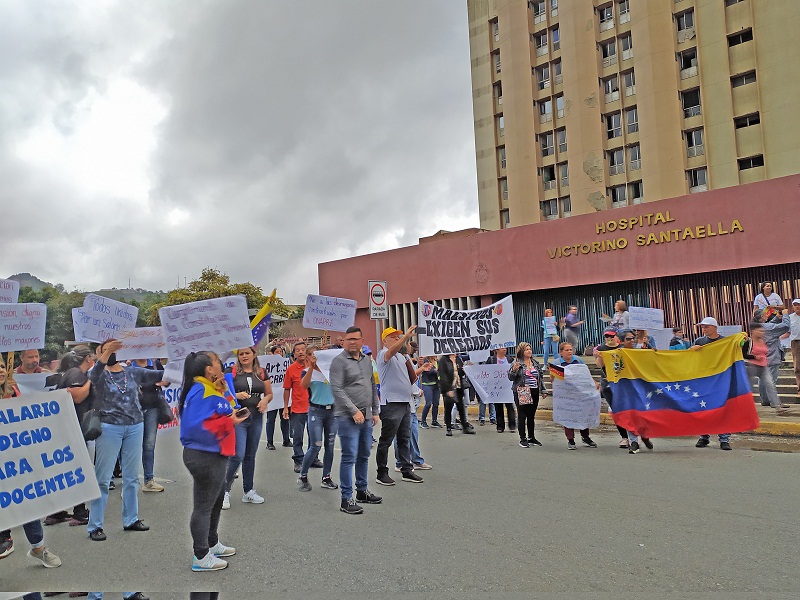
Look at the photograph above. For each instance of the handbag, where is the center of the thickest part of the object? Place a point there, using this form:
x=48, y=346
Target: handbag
x=91, y=426
x=524, y=394
x=165, y=414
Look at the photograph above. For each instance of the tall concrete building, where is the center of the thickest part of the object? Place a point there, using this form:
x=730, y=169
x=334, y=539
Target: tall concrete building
x=589, y=105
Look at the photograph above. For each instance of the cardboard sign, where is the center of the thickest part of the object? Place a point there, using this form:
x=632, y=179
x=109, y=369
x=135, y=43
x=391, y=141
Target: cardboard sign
x=645, y=318
x=329, y=313
x=9, y=291
x=46, y=467
x=275, y=366
x=142, y=342
x=491, y=383
x=576, y=399
x=22, y=326
x=216, y=324
x=101, y=319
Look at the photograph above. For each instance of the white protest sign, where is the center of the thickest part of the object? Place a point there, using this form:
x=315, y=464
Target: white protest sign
x=446, y=331
x=172, y=393
x=46, y=467
x=662, y=337
x=275, y=366
x=576, y=399
x=478, y=356
x=216, y=324
x=645, y=318
x=141, y=342
x=329, y=313
x=491, y=383
x=31, y=383
x=324, y=360
x=101, y=319
x=22, y=326
x=729, y=330
x=9, y=291
x=550, y=326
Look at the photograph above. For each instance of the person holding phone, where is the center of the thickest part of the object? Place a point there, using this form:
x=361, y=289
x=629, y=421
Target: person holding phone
x=253, y=394
x=208, y=437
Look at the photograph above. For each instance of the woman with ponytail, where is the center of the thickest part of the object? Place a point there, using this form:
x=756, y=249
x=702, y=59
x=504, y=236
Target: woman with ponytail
x=207, y=434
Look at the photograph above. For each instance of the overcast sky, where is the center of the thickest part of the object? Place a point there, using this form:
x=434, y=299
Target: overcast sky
x=146, y=140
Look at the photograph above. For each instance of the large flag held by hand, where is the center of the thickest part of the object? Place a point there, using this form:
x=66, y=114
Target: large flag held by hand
x=263, y=318
x=664, y=394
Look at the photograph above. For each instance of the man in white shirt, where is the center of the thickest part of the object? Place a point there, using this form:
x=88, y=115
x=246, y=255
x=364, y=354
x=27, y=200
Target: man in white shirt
x=794, y=339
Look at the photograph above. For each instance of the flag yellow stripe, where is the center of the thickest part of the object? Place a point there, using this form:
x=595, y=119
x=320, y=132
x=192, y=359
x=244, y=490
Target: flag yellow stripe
x=265, y=310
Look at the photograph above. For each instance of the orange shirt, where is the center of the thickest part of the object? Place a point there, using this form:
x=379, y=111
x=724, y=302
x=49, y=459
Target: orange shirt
x=291, y=381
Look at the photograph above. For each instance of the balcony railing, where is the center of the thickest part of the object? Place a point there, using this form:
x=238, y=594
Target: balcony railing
x=698, y=188
x=546, y=117
x=689, y=72
x=630, y=90
x=560, y=113
x=610, y=60
x=562, y=147
x=540, y=17
x=565, y=182
x=612, y=96
x=558, y=79
x=544, y=84
x=637, y=200
x=606, y=25
x=693, y=151
x=625, y=17
x=616, y=169
x=541, y=50
x=691, y=111
x=636, y=164
x=627, y=54
x=549, y=185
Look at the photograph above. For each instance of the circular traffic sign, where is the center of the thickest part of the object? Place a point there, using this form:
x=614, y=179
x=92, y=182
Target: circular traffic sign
x=378, y=294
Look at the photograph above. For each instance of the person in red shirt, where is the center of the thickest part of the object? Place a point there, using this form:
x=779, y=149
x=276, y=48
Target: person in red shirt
x=29, y=362
x=298, y=415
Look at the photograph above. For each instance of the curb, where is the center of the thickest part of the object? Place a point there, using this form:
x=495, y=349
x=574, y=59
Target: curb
x=774, y=428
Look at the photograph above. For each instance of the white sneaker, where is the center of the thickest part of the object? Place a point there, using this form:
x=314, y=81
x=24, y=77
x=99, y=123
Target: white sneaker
x=208, y=563
x=252, y=497
x=222, y=550
x=226, y=503
x=47, y=558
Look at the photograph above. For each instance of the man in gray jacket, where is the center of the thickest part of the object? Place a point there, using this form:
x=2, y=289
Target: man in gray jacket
x=355, y=409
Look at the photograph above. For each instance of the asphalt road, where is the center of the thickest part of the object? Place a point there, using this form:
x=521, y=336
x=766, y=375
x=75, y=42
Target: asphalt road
x=491, y=520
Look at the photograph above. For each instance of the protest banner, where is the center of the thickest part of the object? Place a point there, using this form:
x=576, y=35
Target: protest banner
x=22, y=326
x=491, y=383
x=275, y=366
x=645, y=318
x=9, y=291
x=141, y=342
x=729, y=330
x=447, y=331
x=662, y=337
x=31, y=383
x=216, y=324
x=101, y=319
x=576, y=399
x=327, y=312
x=172, y=394
x=46, y=467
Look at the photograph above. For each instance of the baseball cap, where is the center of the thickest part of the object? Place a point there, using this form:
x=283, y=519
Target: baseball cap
x=366, y=350
x=796, y=301
x=709, y=321
x=609, y=332
x=389, y=331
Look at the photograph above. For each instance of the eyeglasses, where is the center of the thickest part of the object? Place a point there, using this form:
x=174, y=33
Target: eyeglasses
x=628, y=339
x=610, y=335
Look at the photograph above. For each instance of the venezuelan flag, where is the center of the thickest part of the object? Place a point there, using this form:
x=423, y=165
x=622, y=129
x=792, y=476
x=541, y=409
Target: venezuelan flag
x=664, y=394
x=261, y=321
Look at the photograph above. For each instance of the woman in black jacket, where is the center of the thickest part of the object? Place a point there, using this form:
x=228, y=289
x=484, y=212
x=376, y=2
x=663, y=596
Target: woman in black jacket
x=451, y=374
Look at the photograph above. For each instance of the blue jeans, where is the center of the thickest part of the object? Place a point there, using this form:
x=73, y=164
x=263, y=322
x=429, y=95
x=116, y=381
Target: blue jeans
x=413, y=443
x=114, y=439
x=482, y=411
x=321, y=427
x=149, y=442
x=432, y=395
x=356, y=441
x=271, y=416
x=298, y=422
x=723, y=437
x=550, y=349
x=248, y=434
x=33, y=531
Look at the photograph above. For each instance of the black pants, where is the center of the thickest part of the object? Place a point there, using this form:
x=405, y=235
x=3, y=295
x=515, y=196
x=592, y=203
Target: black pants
x=526, y=414
x=605, y=392
x=395, y=421
x=457, y=400
x=271, y=416
x=208, y=473
x=512, y=416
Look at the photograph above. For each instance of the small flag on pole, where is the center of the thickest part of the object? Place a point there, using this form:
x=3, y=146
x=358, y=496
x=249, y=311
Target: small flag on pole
x=263, y=318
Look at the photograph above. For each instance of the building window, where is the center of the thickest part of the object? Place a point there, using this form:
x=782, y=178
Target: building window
x=548, y=177
x=557, y=72
x=618, y=196
x=616, y=161
x=685, y=20
x=624, y=11
x=632, y=119
x=546, y=141
x=560, y=106
x=501, y=154
x=747, y=120
x=606, y=15
x=549, y=209
x=543, y=76
x=497, y=62
x=611, y=88
x=687, y=60
x=566, y=205
x=501, y=125
x=732, y=2
x=539, y=13
x=636, y=192
x=751, y=162
x=556, y=34
x=626, y=43
x=545, y=111
x=495, y=30
x=505, y=220
x=609, y=52
x=553, y=8
x=694, y=143
x=498, y=93
x=540, y=40
x=504, y=188
x=561, y=138
x=740, y=38
x=635, y=157
x=563, y=175
x=629, y=79
x=698, y=180
x=743, y=79
x=613, y=125
x=690, y=100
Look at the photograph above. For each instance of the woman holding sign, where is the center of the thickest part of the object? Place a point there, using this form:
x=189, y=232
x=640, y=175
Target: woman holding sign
x=451, y=374
x=526, y=377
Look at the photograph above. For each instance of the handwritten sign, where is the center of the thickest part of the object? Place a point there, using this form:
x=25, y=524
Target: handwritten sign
x=327, y=312
x=729, y=330
x=449, y=331
x=142, y=342
x=550, y=326
x=491, y=383
x=9, y=291
x=275, y=366
x=576, y=400
x=101, y=319
x=645, y=318
x=22, y=326
x=46, y=467
x=216, y=324
x=662, y=337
